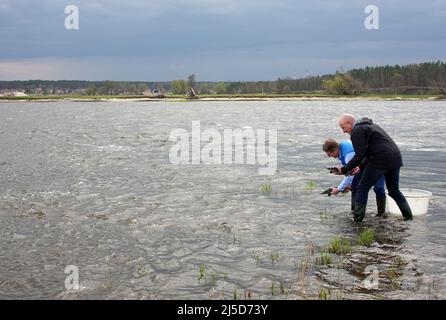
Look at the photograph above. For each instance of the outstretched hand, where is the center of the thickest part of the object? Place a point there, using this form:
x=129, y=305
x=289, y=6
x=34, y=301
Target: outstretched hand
x=337, y=171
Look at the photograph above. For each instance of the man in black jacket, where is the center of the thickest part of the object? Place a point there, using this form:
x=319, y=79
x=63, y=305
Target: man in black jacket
x=377, y=155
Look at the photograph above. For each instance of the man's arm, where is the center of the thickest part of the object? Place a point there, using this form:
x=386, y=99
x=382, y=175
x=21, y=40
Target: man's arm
x=345, y=183
x=348, y=180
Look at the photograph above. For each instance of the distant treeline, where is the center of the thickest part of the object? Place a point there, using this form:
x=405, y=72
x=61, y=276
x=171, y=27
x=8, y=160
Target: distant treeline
x=409, y=79
x=80, y=87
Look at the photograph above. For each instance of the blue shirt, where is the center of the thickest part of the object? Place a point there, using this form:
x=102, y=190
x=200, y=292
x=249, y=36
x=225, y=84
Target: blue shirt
x=346, y=153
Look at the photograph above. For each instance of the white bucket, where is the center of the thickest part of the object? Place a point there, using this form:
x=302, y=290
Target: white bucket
x=418, y=201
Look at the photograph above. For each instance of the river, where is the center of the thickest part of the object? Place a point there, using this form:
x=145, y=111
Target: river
x=87, y=189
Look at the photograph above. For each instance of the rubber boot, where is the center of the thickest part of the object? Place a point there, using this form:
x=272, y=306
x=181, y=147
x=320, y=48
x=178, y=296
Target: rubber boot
x=405, y=210
x=359, y=212
x=381, y=206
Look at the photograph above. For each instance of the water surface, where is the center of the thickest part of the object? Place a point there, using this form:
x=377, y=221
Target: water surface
x=91, y=185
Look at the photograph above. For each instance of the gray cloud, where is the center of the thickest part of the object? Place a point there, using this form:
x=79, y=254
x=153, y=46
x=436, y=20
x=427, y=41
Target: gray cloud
x=216, y=39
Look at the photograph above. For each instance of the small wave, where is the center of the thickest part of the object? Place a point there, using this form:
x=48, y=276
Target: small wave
x=424, y=149
x=114, y=148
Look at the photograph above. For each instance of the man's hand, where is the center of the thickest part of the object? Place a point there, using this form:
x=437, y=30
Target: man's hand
x=334, y=191
x=355, y=171
x=337, y=171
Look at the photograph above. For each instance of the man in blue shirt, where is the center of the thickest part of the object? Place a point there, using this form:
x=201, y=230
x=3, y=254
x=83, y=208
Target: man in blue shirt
x=344, y=152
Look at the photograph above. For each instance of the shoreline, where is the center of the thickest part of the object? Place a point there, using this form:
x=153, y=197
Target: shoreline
x=224, y=98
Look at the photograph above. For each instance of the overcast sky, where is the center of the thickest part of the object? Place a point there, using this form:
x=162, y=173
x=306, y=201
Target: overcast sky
x=215, y=39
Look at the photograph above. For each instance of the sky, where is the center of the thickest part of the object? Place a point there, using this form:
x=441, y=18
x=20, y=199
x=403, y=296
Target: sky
x=217, y=40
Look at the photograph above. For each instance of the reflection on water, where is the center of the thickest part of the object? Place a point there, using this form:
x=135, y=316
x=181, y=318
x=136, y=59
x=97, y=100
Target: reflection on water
x=90, y=185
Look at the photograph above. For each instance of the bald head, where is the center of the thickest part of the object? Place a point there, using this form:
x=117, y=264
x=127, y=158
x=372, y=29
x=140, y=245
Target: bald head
x=346, y=122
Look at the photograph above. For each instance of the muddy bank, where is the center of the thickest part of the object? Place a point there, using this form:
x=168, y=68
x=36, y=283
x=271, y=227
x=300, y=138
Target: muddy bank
x=226, y=98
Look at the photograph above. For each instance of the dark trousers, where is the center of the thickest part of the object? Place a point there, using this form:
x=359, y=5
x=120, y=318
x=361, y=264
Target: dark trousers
x=371, y=176
x=378, y=187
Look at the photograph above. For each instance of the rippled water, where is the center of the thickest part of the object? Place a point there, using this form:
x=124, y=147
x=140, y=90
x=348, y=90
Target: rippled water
x=90, y=185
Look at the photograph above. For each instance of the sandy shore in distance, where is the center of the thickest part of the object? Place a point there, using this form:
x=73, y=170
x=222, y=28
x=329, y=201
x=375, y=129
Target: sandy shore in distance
x=309, y=98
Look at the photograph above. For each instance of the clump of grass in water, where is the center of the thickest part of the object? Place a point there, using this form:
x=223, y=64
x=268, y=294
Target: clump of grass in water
x=273, y=288
x=339, y=295
x=311, y=185
x=266, y=188
x=325, y=259
x=340, y=246
x=399, y=262
x=392, y=274
x=366, y=237
x=324, y=215
x=141, y=271
x=281, y=290
x=235, y=294
x=284, y=288
x=213, y=279
x=202, y=273
x=274, y=257
x=324, y=294
x=256, y=256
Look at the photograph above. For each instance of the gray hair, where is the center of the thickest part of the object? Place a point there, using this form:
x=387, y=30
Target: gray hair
x=347, y=117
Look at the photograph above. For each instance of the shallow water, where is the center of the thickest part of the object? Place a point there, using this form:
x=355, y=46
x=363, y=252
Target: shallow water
x=91, y=185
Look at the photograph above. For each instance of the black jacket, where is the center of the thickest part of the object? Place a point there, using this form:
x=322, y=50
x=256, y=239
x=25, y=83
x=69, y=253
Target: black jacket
x=373, y=147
